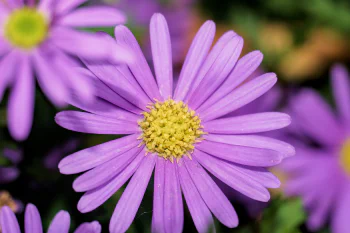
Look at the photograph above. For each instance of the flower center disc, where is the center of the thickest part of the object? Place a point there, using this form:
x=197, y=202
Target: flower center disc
x=170, y=129
x=345, y=156
x=26, y=28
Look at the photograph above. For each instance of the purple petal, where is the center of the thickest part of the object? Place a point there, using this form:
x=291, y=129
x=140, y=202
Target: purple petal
x=89, y=123
x=8, y=221
x=93, y=227
x=172, y=206
x=240, y=154
x=195, y=58
x=215, y=199
x=32, y=220
x=254, y=141
x=7, y=71
x=14, y=155
x=97, y=155
x=64, y=6
x=200, y=213
x=341, y=91
x=60, y=223
x=253, y=123
x=128, y=204
x=243, y=69
x=91, y=17
x=4, y=46
x=21, y=102
x=140, y=67
x=161, y=54
x=340, y=222
x=240, y=97
x=219, y=71
x=158, y=197
x=233, y=177
x=8, y=174
x=94, y=198
x=105, y=172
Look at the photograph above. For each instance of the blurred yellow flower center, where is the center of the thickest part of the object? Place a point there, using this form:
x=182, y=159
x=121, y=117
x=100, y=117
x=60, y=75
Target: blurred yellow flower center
x=345, y=156
x=6, y=200
x=26, y=28
x=170, y=129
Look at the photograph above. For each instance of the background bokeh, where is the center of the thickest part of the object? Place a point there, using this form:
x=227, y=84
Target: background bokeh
x=300, y=41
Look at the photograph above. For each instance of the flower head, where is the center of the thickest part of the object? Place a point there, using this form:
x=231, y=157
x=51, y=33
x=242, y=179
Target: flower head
x=178, y=131
x=40, y=40
x=320, y=173
x=32, y=222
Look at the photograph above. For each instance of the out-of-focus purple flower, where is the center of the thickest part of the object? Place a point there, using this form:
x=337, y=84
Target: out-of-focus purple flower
x=178, y=132
x=40, y=41
x=32, y=222
x=10, y=173
x=320, y=173
x=57, y=153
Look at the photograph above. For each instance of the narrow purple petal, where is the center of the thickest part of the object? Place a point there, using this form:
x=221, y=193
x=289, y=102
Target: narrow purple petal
x=161, y=53
x=7, y=71
x=32, y=220
x=196, y=55
x=340, y=222
x=253, y=123
x=21, y=102
x=240, y=97
x=233, y=177
x=99, y=175
x=219, y=71
x=158, y=197
x=94, y=198
x=93, y=227
x=200, y=213
x=60, y=223
x=89, y=123
x=64, y=6
x=243, y=69
x=127, y=206
x=91, y=17
x=212, y=195
x=240, y=154
x=4, y=46
x=8, y=221
x=94, y=156
x=8, y=174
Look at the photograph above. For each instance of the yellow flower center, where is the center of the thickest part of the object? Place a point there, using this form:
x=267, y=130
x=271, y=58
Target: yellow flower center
x=7, y=200
x=170, y=129
x=345, y=156
x=26, y=28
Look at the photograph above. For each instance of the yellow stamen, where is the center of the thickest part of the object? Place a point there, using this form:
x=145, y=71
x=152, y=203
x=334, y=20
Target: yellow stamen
x=170, y=129
x=345, y=156
x=7, y=200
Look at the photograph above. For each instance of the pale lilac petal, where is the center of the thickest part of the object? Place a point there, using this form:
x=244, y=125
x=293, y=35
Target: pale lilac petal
x=128, y=204
x=215, y=199
x=140, y=67
x=233, y=177
x=94, y=156
x=21, y=102
x=240, y=154
x=209, y=61
x=173, y=205
x=240, y=97
x=254, y=141
x=243, y=69
x=340, y=220
x=246, y=124
x=158, y=197
x=4, y=11
x=341, y=91
x=316, y=118
x=60, y=223
x=89, y=123
x=32, y=220
x=8, y=221
x=200, y=213
x=93, y=16
x=94, y=198
x=64, y=6
x=100, y=174
x=195, y=58
x=161, y=54
x=4, y=46
x=93, y=227
x=219, y=71
x=7, y=71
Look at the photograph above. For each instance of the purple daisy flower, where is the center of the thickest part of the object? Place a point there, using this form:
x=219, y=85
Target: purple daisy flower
x=9, y=174
x=177, y=131
x=321, y=174
x=32, y=222
x=40, y=40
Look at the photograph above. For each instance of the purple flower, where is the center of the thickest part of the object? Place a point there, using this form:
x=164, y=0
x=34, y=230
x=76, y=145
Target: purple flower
x=320, y=173
x=178, y=131
x=32, y=222
x=41, y=40
x=9, y=174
